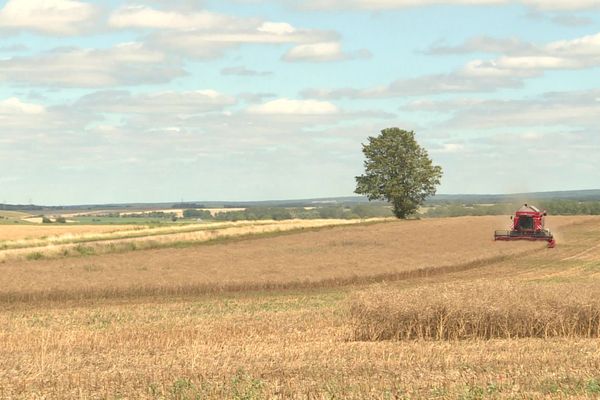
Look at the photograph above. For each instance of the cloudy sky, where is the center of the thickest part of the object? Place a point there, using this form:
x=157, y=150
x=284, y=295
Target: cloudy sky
x=118, y=101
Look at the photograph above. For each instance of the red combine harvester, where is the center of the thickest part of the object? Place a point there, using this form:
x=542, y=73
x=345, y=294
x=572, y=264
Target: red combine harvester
x=528, y=224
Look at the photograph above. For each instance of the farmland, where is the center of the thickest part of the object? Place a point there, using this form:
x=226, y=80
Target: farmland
x=270, y=314
x=28, y=232
x=73, y=240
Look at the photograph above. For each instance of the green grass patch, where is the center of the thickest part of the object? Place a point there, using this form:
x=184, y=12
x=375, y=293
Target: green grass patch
x=34, y=256
x=593, y=386
x=84, y=250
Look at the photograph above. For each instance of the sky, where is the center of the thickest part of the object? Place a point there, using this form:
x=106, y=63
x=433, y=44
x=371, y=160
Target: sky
x=157, y=101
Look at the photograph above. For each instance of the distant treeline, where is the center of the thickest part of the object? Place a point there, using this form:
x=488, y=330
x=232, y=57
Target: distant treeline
x=283, y=213
x=188, y=205
x=554, y=207
x=534, y=198
x=20, y=207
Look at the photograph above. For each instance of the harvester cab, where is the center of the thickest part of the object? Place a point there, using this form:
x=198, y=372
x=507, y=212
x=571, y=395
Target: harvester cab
x=527, y=224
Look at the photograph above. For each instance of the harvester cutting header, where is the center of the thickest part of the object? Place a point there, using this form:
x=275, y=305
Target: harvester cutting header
x=527, y=224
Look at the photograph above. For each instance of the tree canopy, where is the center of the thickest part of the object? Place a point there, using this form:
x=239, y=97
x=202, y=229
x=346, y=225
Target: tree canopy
x=398, y=170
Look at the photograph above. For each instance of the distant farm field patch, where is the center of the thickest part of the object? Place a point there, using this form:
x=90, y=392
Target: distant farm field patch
x=19, y=232
x=13, y=214
x=179, y=211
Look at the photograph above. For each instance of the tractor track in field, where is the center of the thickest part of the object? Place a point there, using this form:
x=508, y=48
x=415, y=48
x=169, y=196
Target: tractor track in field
x=582, y=253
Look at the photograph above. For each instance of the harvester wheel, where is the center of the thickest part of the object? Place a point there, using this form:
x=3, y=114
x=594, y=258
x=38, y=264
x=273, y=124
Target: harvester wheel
x=551, y=243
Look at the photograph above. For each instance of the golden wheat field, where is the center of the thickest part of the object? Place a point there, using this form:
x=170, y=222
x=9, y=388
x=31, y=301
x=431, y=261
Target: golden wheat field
x=137, y=237
x=28, y=232
x=401, y=309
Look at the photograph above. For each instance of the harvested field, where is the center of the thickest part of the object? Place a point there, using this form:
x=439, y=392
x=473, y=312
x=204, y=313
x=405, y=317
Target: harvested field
x=330, y=257
x=279, y=346
x=143, y=237
x=480, y=310
x=65, y=334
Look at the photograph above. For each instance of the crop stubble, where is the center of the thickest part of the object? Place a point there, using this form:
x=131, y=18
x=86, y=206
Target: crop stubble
x=347, y=255
x=291, y=344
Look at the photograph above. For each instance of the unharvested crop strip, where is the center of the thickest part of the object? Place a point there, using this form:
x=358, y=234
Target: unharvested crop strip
x=476, y=310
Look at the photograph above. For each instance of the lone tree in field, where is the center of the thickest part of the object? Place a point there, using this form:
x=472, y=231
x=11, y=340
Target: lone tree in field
x=399, y=171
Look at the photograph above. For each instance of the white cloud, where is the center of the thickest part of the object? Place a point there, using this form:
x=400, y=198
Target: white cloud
x=397, y=4
x=562, y=4
x=327, y=51
x=583, y=46
x=482, y=69
x=149, y=18
x=59, y=17
x=204, y=34
x=509, y=64
x=532, y=136
x=529, y=60
x=210, y=44
x=146, y=17
x=388, y=4
x=276, y=28
x=127, y=63
x=294, y=107
x=323, y=51
x=577, y=110
x=243, y=71
x=486, y=79
x=449, y=148
x=575, y=53
x=522, y=61
x=566, y=155
x=160, y=103
x=20, y=118
x=13, y=105
x=481, y=44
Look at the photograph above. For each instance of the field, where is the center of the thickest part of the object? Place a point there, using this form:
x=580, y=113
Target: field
x=79, y=240
x=276, y=315
x=28, y=232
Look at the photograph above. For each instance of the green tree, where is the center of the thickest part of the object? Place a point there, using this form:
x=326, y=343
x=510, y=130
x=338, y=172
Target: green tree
x=193, y=213
x=398, y=170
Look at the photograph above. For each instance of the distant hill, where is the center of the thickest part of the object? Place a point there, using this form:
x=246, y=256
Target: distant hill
x=577, y=195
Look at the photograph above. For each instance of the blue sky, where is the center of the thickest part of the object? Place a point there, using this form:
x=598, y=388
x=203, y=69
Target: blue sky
x=147, y=101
